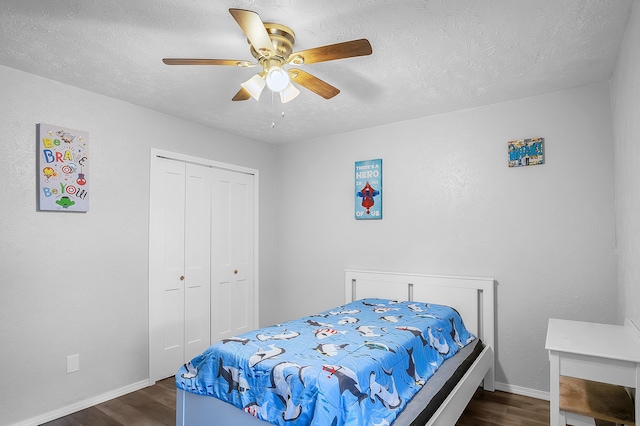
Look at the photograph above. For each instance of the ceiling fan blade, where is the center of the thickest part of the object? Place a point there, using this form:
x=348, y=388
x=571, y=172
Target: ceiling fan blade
x=242, y=95
x=313, y=83
x=347, y=49
x=192, y=61
x=253, y=27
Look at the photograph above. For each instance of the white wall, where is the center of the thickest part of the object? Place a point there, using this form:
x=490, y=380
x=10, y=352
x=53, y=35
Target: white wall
x=626, y=120
x=78, y=283
x=452, y=206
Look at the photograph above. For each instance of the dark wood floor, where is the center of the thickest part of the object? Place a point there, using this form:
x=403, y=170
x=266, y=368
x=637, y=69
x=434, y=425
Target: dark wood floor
x=155, y=406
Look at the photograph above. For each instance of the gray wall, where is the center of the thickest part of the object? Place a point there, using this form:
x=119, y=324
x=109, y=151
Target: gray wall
x=452, y=206
x=78, y=283
x=626, y=119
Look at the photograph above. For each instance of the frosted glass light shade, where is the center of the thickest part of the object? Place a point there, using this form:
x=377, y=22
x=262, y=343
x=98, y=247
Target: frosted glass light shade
x=277, y=79
x=255, y=86
x=289, y=93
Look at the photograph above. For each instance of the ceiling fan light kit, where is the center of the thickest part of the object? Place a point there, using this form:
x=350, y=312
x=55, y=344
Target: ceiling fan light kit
x=272, y=46
x=289, y=93
x=255, y=86
x=277, y=79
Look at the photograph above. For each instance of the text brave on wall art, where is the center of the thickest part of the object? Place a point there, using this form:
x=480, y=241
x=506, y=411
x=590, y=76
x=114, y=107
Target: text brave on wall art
x=63, y=169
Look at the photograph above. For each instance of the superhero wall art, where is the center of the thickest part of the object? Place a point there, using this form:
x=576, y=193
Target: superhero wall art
x=368, y=189
x=63, y=167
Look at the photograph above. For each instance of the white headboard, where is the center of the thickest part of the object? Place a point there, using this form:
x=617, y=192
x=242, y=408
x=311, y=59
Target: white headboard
x=472, y=297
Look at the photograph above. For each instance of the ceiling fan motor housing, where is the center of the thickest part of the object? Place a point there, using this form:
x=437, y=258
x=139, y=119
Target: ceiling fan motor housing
x=283, y=39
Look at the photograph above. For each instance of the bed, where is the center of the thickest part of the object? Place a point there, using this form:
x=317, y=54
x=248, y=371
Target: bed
x=438, y=402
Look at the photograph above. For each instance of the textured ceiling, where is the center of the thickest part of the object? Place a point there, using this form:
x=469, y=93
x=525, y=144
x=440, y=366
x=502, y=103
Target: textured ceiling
x=428, y=57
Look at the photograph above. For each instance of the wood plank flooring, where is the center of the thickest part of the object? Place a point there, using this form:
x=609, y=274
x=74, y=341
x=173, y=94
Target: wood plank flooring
x=504, y=409
x=151, y=406
x=155, y=406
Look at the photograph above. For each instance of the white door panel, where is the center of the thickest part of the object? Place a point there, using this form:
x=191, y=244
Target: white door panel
x=197, y=284
x=173, y=324
x=167, y=266
x=221, y=307
x=241, y=317
x=232, y=254
x=238, y=199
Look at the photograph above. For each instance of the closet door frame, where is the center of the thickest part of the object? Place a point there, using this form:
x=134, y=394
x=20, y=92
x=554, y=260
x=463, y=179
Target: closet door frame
x=154, y=155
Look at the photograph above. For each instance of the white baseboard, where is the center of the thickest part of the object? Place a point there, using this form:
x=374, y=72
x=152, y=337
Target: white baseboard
x=519, y=390
x=81, y=405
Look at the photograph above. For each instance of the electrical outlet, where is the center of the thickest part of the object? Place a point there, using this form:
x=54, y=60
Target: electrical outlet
x=73, y=363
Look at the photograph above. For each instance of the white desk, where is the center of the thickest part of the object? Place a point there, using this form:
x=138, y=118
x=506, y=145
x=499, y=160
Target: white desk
x=590, y=351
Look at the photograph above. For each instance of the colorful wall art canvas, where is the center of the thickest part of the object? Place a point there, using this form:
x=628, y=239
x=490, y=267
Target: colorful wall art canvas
x=368, y=189
x=526, y=152
x=63, y=169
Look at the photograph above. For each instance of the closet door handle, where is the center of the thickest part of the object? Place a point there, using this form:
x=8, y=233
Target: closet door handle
x=181, y=277
x=235, y=272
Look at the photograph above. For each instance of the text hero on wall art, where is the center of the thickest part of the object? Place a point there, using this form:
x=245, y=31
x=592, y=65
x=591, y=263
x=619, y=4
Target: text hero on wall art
x=368, y=189
x=526, y=152
x=63, y=168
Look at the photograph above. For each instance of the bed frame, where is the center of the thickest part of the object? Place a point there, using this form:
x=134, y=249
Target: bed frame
x=474, y=298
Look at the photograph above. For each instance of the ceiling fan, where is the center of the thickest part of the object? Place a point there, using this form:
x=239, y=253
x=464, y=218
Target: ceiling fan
x=272, y=46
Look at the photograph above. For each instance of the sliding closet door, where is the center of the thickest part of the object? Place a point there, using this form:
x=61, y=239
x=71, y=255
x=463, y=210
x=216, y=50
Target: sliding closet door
x=232, y=242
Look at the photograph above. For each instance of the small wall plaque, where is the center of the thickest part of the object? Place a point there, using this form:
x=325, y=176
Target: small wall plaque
x=526, y=152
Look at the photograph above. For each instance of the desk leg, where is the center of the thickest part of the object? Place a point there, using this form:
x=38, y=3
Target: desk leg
x=558, y=417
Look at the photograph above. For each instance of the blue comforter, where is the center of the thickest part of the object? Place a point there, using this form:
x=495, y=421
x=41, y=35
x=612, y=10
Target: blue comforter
x=358, y=364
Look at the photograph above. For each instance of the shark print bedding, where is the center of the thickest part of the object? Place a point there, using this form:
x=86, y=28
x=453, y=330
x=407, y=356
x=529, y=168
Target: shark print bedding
x=358, y=364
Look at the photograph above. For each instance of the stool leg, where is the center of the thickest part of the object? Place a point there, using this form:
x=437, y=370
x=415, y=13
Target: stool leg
x=635, y=395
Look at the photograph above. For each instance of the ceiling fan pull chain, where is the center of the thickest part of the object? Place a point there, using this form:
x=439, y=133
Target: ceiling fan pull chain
x=273, y=123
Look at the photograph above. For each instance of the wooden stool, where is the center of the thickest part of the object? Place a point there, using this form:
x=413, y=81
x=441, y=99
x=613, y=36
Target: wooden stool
x=597, y=400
